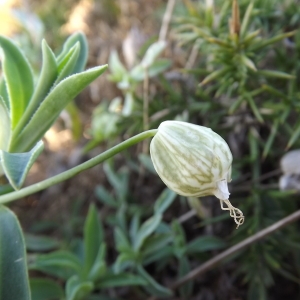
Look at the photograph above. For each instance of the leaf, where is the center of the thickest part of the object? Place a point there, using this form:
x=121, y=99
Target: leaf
x=93, y=237
x=116, y=67
x=246, y=19
x=266, y=42
x=165, y=199
x=105, y=197
x=3, y=92
x=271, y=138
x=254, y=107
x=76, y=289
x=99, y=267
x=152, y=53
x=18, y=77
x=45, y=82
x=184, y=268
x=40, y=243
x=146, y=229
x=158, y=67
x=119, y=181
x=122, y=279
x=80, y=38
x=158, y=289
x=13, y=269
x=61, y=264
x=294, y=136
x=104, y=125
x=138, y=73
x=275, y=74
x=124, y=261
x=156, y=243
x=134, y=226
x=45, y=289
x=163, y=254
x=248, y=63
x=121, y=240
x=214, y=75
x=5, y=129
x=75, y=120
x=17, y=165
x=204, y=243
x=65, y=68
x=52, y=106
x=179, y=243
x=128, y=104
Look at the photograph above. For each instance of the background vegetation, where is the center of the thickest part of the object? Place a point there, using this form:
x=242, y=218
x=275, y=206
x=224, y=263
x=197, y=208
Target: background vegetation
x=115, y=232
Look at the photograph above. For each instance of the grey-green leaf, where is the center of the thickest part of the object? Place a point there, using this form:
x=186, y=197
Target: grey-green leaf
x=77, y=290
x=13, y=268
x=204, y=243
x=3, y=92
x=165, y=199
x=5, y=129
x=93, y=237
x=152, y=53
x=122, y=279
x=17, y=165
x=146, y=229
x=45, y=289
x=80, y=38
x=39, y=243
x=156, y=288
x=61, y=264
x=116, y=67
x=68, y=64
x=45, y=82
x=52, y=106
x=18, y=76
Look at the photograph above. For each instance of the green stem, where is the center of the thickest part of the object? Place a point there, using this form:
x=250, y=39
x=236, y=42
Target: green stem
x=78, y=169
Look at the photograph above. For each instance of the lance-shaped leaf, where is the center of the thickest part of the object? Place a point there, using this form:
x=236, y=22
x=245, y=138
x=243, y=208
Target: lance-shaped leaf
x=3, y=91
x=52, y=106
x=77, y=289
x=116, y=67
x=5, y=129
x=45, y=289
x=13, y=269
x=93, y=237
x=19, y=79
x=80, y=38
x=152, y=53
x=146, y=230
x=17, y=165
x=66, y=67
x=46, y=80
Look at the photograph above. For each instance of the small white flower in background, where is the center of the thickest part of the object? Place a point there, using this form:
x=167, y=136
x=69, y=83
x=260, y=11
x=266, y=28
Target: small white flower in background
x=290, y=167
x=194, y=161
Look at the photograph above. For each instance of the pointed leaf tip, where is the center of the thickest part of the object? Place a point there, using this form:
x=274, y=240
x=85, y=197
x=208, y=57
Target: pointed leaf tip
x=17, y=165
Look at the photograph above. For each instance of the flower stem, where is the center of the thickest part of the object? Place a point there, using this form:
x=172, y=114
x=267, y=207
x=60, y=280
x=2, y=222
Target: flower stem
x=78, y=169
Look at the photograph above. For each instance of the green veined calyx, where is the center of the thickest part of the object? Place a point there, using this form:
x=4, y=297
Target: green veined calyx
x=194, y=161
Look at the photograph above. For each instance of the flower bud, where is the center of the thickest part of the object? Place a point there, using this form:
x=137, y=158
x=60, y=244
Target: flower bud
x=193, y=161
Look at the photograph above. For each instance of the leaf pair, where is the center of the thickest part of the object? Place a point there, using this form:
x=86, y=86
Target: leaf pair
x=27, y=111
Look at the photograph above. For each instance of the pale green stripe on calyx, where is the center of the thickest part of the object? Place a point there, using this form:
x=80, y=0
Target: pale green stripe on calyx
x=193, y=161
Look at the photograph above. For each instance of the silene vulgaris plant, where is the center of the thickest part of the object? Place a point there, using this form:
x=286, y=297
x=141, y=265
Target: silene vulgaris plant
x=191, y=160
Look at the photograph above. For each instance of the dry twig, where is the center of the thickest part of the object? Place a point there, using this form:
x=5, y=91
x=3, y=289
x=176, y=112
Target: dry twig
x=166, y=20
x=232, y=250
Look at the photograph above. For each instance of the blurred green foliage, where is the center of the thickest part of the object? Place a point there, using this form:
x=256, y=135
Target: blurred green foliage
x=243, y=84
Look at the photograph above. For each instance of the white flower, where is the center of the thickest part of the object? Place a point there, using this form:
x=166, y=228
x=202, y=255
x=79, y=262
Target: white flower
x=193, y=161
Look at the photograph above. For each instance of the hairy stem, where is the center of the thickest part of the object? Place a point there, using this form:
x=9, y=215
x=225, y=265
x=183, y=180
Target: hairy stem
x=78, y=169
